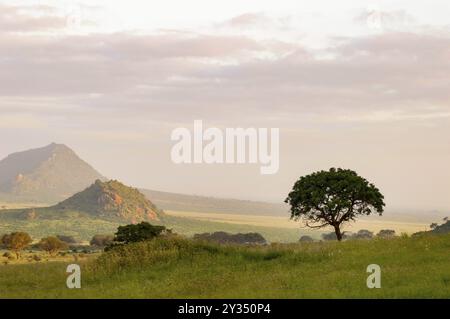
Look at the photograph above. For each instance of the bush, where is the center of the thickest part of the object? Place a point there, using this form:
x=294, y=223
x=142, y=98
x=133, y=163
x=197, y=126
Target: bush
x=226, y=238
x=139, y=232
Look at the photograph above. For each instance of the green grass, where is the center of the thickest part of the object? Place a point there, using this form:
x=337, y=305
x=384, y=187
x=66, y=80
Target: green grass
x=416, y=267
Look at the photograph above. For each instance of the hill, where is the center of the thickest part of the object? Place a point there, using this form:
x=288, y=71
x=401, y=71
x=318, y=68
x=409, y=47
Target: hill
x=111, y=199
x=48, y=174
x=55, y=172
x=99, y=209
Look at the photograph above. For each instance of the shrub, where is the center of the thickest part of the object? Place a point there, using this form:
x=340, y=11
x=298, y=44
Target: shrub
x=139, y=232
x=226, y=238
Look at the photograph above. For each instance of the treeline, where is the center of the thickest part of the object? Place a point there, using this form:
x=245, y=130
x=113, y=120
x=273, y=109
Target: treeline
x=17, y=242
x=361, y=234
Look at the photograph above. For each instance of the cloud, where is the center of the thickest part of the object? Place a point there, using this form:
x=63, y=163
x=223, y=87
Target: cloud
x=122, y=93
x=374, y=18
x=247, y=20
x=29, y=19
x=178, y=76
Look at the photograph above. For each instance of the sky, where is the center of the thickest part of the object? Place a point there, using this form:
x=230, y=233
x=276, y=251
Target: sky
x=362, y=85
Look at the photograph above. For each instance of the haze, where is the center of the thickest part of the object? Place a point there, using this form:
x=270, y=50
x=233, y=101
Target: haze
x=356, y=84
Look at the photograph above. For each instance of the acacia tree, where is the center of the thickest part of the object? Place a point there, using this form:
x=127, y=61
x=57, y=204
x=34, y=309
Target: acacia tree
x=16, y=242
x=52, y=245
x=332, y=198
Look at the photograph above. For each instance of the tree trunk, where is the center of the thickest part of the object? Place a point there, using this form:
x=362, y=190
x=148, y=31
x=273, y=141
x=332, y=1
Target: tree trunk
x=337, y=230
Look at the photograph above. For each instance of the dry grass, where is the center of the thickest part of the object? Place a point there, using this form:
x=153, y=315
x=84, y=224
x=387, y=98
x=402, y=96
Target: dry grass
x=373, y=224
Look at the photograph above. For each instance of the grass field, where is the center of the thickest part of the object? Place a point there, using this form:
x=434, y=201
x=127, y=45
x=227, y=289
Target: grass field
x=417, y=267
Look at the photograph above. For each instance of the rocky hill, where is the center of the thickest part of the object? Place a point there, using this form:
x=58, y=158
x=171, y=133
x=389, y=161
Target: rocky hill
x=111, y=199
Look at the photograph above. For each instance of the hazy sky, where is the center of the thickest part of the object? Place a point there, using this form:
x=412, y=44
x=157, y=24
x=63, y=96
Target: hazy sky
x=356, y=84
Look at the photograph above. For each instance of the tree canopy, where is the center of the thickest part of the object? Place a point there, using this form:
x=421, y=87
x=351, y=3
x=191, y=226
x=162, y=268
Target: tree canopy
x=332, y=198
x=16, y=241
x=138, y=232
x=52, y=245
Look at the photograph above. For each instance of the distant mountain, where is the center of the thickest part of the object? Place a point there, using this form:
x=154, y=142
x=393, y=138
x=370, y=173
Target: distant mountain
x=48, y=174
x=111, y=199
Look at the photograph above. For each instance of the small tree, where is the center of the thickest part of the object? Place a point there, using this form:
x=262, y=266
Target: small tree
x=138, y=232
x=332, y=198
x=16, y=242
x=52, y=245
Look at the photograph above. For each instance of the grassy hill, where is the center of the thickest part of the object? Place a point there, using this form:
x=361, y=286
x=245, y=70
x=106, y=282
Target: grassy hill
x=415, y=267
